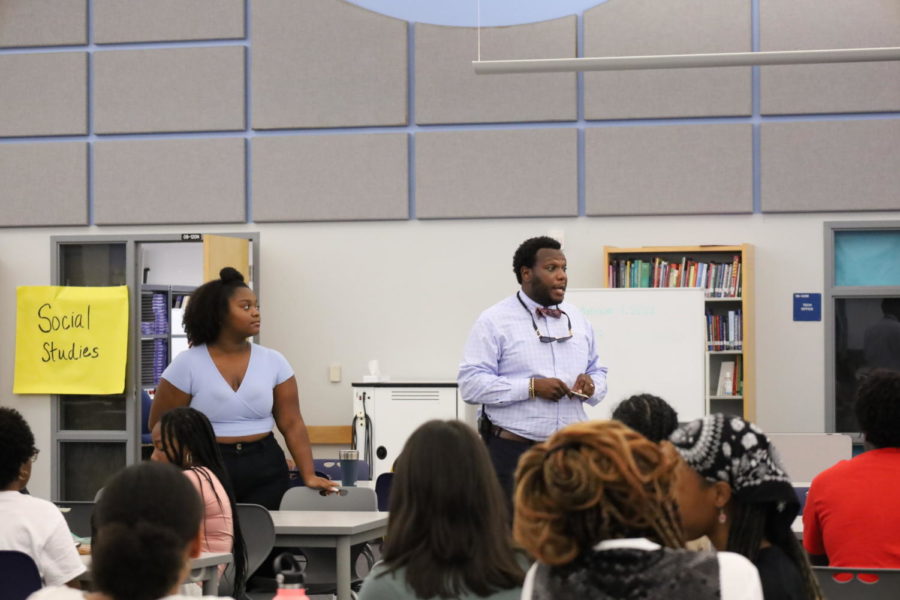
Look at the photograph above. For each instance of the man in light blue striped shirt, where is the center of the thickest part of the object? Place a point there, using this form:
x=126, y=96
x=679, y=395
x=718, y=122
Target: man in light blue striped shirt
x=530, y=360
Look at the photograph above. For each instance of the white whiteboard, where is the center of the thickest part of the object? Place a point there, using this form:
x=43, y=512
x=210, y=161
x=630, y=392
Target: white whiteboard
x=653, y=340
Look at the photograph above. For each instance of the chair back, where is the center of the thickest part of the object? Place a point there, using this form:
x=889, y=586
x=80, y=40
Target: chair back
x=350, y=499
x=848, y=583
x=258, y=532
x=383, y=490
x=329, y=466
x=19, y=575
x=78, y=516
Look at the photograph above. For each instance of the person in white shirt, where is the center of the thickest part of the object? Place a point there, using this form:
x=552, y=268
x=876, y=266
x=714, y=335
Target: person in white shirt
x=28, y=524
x=148, y=527
x=594, y=504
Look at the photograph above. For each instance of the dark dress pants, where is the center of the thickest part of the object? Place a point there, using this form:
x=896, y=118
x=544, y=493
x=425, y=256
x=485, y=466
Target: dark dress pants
x=258, y=471
x=505, y=458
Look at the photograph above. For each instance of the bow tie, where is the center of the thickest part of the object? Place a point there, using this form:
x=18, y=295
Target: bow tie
x=548, y=312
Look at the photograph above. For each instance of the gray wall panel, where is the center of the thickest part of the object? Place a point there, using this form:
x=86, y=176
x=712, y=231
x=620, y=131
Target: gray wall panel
x=159, y=20
x=43, y=94
x=497, y=173
x=327, y=63
x=831, y=165
x=449, y=91
x=669, y=169
x=169, y=89
x=43, y=22
x=169, y=181
x=330, y=177
x=43, y=184
x=642, y=27
x=817, y=25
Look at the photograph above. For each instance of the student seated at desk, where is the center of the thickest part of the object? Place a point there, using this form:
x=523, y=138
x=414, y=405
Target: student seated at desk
x=28, y=524
x=649, y=415
x=184, y=437
x=448, y=531
x=851, y=518
x=148, y=528
x=733, y=489
x=595, y=504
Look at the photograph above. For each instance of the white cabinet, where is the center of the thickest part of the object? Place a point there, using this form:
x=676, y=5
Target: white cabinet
x=386, y=414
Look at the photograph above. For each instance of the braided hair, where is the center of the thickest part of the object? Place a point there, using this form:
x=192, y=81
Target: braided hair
x=189, y=443
x=649, y=415
x=590, y=482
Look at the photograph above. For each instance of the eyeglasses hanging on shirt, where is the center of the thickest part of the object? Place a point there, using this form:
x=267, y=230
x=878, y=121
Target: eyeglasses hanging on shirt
x=547, y=339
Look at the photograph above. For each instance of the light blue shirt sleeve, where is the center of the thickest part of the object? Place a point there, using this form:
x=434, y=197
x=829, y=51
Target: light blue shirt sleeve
x=479, y=378
x=180, y=372
x=283, y=370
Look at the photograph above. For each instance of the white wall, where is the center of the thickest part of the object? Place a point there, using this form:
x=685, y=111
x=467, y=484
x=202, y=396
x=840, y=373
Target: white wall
x=407, y=292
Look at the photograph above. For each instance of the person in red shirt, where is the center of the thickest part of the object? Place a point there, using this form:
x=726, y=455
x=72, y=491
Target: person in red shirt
x=851, y=517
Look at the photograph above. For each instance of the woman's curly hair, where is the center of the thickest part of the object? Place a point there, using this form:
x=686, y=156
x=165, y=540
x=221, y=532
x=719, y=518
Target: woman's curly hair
x=590, y=482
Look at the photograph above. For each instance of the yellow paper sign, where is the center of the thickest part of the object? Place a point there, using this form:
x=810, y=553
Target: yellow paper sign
x=71, y=340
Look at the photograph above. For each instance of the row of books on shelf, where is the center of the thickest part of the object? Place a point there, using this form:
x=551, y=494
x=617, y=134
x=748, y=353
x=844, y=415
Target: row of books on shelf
x=730, y=378
x=719, y=280
x=725, y=331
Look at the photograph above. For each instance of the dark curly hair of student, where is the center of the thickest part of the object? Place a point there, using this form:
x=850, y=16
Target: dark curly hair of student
x=189, y=442
x=590, y=482
x=145, y=521
x=526, y=253
x=449, y=524
x=208, y=307
x=752, y=522
x=877, y=408
x=16, y=445
x=649, y=415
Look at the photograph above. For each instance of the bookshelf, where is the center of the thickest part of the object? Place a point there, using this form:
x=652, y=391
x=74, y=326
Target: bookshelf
x=726, y=274
x=162, y=338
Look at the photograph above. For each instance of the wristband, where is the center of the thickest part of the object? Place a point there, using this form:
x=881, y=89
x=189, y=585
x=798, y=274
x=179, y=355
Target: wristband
x=531, y=388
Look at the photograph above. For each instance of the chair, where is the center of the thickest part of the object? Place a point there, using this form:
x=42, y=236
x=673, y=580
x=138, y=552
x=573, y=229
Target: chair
x=258, y=532
x=383, y=490
x=854, y=583
x=801, y=490
x=19, y=575
x=320, y=575
x=78, y=516
x=330, y=467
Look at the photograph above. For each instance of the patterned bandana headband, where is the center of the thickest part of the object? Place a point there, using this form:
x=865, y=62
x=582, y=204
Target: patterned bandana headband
x=730, y=449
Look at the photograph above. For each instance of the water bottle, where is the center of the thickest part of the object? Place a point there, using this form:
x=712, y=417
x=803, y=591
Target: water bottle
x=349, y=467
x=289, y=576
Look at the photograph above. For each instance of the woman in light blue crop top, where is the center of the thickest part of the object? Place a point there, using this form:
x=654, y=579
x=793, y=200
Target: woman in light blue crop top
x=243, y=388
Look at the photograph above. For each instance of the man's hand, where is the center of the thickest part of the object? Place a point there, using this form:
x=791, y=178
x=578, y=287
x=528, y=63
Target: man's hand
x=550, y=388
x=584, y=387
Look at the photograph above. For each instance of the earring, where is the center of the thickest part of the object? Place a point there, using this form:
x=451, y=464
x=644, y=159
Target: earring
x=722, y=516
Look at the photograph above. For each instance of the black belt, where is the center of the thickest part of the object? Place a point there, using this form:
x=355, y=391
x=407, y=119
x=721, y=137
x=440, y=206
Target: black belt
x=238, y=446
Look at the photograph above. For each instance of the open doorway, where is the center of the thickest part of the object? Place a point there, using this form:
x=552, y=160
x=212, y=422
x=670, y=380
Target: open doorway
x=94, y=436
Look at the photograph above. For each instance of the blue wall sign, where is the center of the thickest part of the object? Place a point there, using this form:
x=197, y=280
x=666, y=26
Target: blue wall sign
x=807, y=307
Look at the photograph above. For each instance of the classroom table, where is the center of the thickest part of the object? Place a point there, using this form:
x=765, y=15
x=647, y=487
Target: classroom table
x=329, y=529
x=204, y=569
